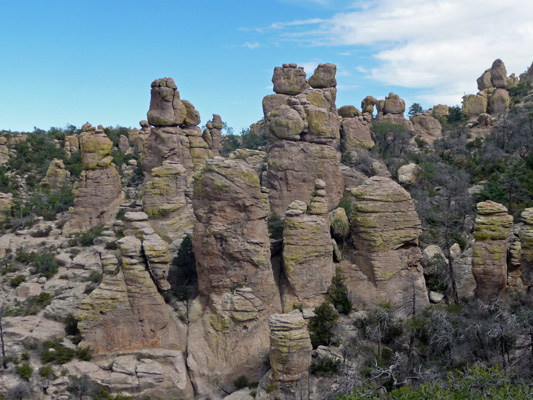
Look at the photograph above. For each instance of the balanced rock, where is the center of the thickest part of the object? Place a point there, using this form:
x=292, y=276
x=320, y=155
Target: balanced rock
x=349, y=112
x=393, y=104
x=474, y=105
x=166, y=108
x=499, y=101
x=489, y=263
x=213, y=135
x=498, y=74
x=289, y=79
x=368, y=103
x=324, y=76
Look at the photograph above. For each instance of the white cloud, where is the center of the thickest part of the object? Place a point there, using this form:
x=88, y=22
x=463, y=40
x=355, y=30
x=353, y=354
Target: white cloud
x=436, y=45
x=254, y=45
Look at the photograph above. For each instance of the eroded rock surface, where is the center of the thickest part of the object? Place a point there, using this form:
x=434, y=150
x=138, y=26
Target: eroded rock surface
x=489, y=262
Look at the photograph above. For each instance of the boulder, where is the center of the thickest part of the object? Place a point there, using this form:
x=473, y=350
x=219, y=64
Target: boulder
x=355, y=133
x=285, y=123
x=166, y=108
x=489, y=262
x=289, y=79
x=484, y=81
x=212, y=135
x=499, y=101
x=393, y=104
x=123, y=144
x=474, y=105
x=440, y=110
x=349, y=112
x=498, y=74
x=95, y=146
x=426, y=127
x=408, y=173
x=368, y=103
x=324, y=76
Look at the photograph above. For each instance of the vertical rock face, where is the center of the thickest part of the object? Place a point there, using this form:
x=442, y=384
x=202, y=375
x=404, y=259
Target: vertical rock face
x=126, y=312
x=526, y=251
x=4, y=150
x=307, y=252
x=489, y=262
x=56, y=175
x=305, y=124
x=355, y=133
x=100, y=191
x=6, y=203
x=427, y=128
x=172, y=152
x=385, y=230
x=290, y=356
x=236, y=284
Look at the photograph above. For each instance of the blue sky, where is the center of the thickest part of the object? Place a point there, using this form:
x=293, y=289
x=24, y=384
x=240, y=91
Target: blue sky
x=72, y=61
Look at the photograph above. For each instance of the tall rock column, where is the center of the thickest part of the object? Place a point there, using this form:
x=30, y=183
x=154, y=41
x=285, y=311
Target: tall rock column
x=290, y=358
x=100, y=190
x=171, y=153
x=307, y=252
x=489, y=262
x=526, y=256
x=228, y=332
x=385, y=230
x=305, y=126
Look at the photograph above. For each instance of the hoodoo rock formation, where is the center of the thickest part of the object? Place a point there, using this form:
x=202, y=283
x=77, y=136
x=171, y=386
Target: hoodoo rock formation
x=526, y=251
x=489, y=262
x=304, y=125
x=385, y=230
x=100, y=190
x=171, y=153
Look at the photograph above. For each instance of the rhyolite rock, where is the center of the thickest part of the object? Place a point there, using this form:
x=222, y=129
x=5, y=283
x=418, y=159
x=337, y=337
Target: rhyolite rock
x=427, y=127
x=489, y=262
x=289, y=79
x=290, y=358
x=56, y=176
x=499, y=101
x=498, y=74
x=166, y=108
x=368, y=103
x=307, y=252
x=6, y=203
x=324, y=76
x=526, y=251
x=126, y=312
x=385, y=229
x=228, y=330
x=355, y=133
x=212, y=135
x=474, y=105
x=408, y=173
x=304, y=124
x=4, y=150
x=349, y=112
x=100, y=191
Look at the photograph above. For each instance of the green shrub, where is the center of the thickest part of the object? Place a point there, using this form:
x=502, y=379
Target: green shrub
x=71, y=325
x=25, y=371
x=84, y=354
x=325, y=366
x=46, y=371
x=87, y=238
x=338, y=293
x=54, y=352
x=322, y=324
x=17, y=280
x=241, y=382
x=25, y=257
x=275, y=226
x=46, y=265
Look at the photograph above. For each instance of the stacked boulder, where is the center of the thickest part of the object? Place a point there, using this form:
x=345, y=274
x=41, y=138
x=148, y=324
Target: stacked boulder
x=307, y=252
x=172, y=152
x=304, y=124
x=100, y=190
x=355, y=130
x=228, y=331
x=385, y=229
x=489, y=262
x=213, y=134
x=392, y=110
x=493, y=96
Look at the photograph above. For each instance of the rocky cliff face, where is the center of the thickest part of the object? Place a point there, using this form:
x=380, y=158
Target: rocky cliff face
x=489, y=262
x=526, y=252
x=304, y=125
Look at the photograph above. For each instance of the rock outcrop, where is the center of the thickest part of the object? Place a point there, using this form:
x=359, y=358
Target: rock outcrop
x=213, y=134
x=305, y=127
x=489, y=262
x=426, y=128
x=4, y=150
x=100, y=190
x=290, y=358
x=228, y=331
x=307, y=252
x=385, y=229
x=526, y=251
x=6, y=203
x=56, y=175
x=172, y=152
